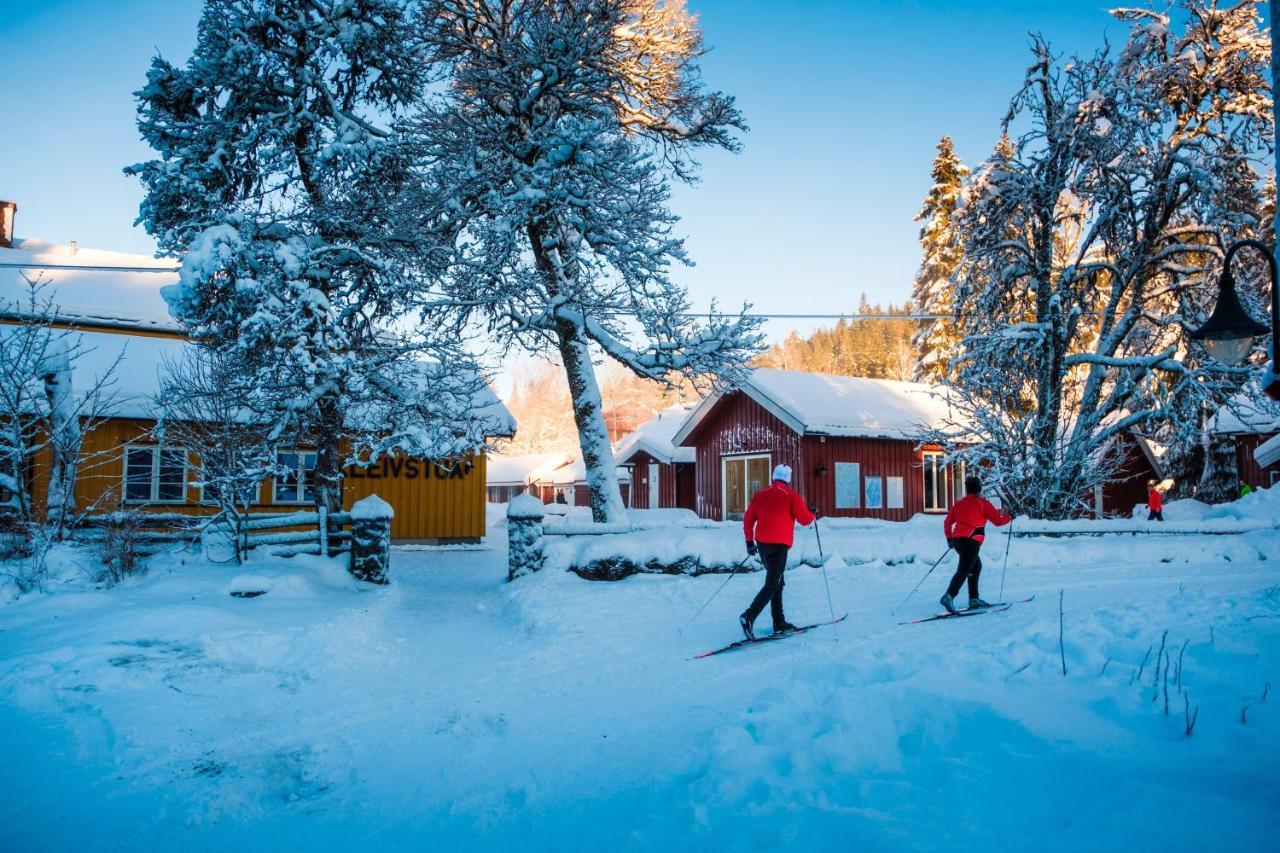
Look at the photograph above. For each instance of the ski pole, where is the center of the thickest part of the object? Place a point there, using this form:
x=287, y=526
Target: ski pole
x=823, y=560
x=717, y=592
x=922, y=580
x=1007, y=545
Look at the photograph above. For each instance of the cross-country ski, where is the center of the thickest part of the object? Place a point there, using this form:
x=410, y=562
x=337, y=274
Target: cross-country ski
x=793, y=631
x=998, y=607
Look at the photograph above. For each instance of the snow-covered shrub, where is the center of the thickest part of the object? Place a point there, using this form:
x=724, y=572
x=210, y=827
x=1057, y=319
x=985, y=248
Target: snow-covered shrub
x=118, y=549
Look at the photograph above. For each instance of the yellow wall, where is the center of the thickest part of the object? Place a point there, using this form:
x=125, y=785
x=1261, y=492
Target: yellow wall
x=429, y=502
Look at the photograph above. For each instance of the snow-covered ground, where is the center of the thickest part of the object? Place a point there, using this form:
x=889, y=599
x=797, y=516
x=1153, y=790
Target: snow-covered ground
x=452, y=708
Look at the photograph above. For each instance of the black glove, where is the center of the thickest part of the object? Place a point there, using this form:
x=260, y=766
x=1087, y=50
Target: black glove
x=751, y=548
x=951, y=542
x=813, y=510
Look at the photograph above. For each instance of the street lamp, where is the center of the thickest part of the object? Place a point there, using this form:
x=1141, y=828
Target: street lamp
x=1229, y=332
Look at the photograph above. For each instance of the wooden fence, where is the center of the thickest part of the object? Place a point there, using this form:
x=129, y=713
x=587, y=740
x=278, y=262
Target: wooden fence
x=281, y=534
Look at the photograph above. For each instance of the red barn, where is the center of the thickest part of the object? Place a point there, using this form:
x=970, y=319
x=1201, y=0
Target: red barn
x=851, y=443
x=662, y=474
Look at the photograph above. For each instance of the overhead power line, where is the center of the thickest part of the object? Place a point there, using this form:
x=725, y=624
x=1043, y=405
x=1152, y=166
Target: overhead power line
x=753, y=314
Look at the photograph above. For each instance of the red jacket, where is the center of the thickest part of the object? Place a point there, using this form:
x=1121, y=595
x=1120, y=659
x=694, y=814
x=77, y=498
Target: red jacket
x=773, y=514
x=1155, y=500
x=970, y=513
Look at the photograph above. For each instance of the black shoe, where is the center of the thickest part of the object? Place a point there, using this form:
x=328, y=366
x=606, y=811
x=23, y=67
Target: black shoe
x=746, y=627
x=784, y=627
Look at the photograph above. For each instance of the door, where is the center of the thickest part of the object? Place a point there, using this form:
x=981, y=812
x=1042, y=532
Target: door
x=653, y=485
x=686, y=486
x=741, y=477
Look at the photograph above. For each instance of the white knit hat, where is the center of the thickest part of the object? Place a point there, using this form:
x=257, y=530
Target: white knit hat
x=783, y=473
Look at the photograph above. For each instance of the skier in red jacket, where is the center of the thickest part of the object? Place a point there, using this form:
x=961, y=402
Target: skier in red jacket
x=769, y=526
x=965, y=527
x=1155, y=502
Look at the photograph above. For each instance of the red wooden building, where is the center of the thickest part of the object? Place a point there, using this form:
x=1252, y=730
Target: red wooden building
x=662, y=474
x=1251, y=419
x=852, y=444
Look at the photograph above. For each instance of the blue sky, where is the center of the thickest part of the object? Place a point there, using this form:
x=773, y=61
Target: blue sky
x=846, y=101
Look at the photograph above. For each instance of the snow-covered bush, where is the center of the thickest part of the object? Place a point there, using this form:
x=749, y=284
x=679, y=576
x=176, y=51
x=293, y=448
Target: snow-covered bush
x=118, y=549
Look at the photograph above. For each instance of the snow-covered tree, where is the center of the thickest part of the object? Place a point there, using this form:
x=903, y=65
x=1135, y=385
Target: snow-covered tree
x=935, y=340
x=1107, y=208
x=279, y=185
x=43, y=416
x=205, y=405
x=545, y=161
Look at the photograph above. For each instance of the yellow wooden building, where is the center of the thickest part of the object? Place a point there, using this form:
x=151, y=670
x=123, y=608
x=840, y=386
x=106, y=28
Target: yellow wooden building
x=123, y=466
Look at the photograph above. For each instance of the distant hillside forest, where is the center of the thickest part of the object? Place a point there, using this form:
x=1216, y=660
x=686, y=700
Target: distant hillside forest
x=880, y=349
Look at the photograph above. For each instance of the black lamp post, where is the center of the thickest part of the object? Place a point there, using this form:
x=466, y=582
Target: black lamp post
x=1229, y=332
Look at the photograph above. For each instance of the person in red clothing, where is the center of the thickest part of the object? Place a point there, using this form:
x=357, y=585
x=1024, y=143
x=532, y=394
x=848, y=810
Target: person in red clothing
x=769, y=526
x=1155, y=502
x=965, y=527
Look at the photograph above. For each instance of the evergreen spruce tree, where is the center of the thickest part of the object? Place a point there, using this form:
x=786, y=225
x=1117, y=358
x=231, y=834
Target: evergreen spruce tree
x=935, y=340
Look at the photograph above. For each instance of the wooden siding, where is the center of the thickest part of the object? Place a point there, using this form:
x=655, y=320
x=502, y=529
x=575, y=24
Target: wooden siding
x=427, y=506
x=737, y=426
x=1120, y=497
x=431, y=501
x=1252, y=473
x=669, y=492
x=876, y=457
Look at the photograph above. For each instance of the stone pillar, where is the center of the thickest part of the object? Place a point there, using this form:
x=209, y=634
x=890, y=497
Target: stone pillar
x=524, y=536
x=371, y=539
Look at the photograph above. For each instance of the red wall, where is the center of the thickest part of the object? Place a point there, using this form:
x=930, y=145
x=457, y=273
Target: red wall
x=1119, y=498
x=1250, y=472
x=878, y=457
x=640, y=462
x=737, y=425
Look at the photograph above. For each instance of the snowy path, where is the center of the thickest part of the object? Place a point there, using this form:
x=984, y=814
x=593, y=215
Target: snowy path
x=557, y=713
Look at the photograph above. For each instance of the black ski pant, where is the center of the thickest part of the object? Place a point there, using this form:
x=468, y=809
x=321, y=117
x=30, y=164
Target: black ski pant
x=969, y=569
x=774, y=558
x=1156, y=515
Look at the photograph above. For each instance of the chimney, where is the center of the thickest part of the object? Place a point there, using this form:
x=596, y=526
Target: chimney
x=8, y=209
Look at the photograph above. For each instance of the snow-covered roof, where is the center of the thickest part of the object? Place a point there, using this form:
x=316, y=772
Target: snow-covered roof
x=516, y=470
x=1267, y=453
x=1249, y=411
x=91, y=287
x=655, y=437
x=131, y=365
x=137, y=364
x=844, y=406
x=569, y=470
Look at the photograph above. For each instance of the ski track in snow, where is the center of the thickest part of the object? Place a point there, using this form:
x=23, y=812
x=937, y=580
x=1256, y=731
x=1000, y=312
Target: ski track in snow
x=554, y=713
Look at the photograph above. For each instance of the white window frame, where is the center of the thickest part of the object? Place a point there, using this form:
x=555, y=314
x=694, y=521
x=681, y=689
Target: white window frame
x=300, y=489
x=941, y=472
x=153, y=495
x=724, y=477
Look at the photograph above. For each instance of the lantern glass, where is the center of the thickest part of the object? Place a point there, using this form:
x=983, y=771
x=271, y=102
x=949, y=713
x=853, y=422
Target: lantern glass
x=1229, y=350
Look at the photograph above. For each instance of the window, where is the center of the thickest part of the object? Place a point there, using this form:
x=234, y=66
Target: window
x=893, y=492
x=741, y=477
x=937, y=474
x=875, y=492
x=848, y=485
x=295, y=478
x=155, y=474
